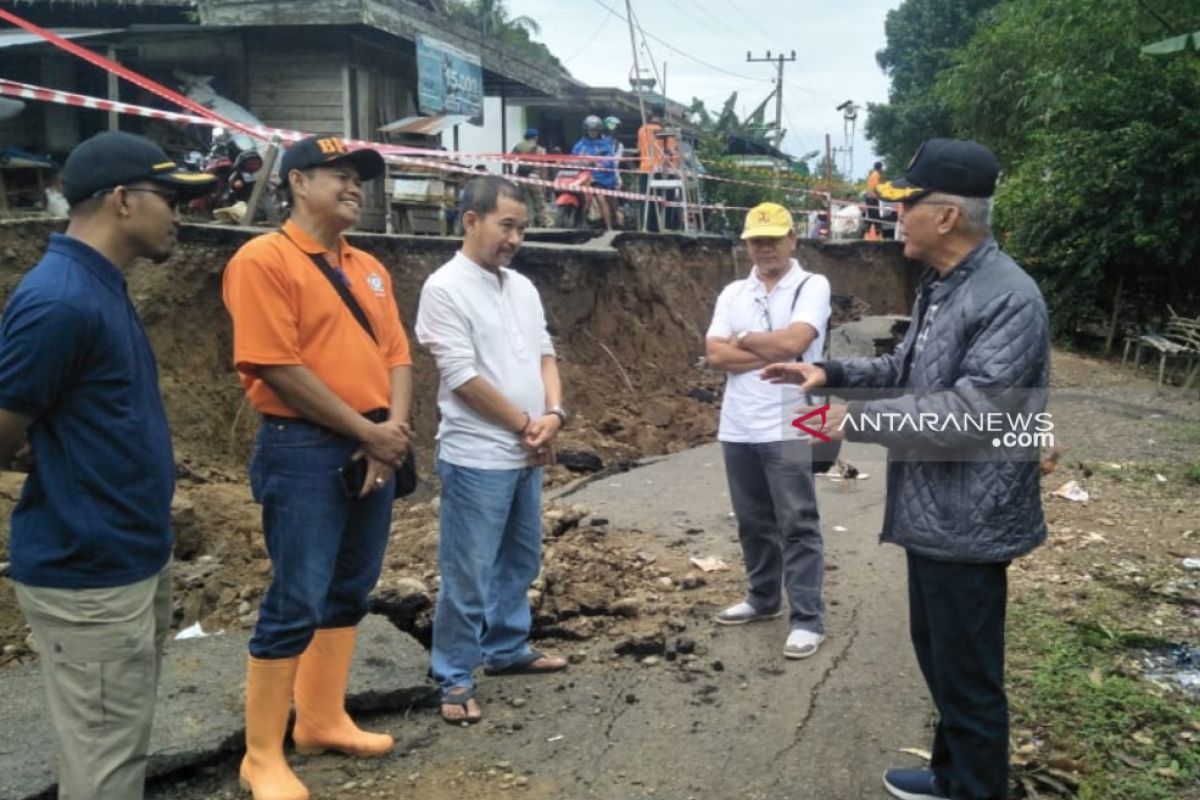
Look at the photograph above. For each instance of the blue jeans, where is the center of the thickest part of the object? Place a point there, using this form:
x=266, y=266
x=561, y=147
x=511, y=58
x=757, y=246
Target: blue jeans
x=326, y=549
x=489, y=552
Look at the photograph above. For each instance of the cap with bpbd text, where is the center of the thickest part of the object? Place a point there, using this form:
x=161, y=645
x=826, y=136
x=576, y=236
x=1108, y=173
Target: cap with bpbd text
x=953, y=166
x=325, y=151
x=115, y=158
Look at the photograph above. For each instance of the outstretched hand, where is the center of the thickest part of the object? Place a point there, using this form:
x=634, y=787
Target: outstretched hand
x=806, y=376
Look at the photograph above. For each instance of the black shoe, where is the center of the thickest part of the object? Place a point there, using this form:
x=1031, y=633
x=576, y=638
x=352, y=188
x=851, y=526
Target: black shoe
x=913, y=784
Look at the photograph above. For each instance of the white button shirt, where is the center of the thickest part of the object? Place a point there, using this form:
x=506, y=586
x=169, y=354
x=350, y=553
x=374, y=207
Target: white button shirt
x=754, y=410
x=476, y=324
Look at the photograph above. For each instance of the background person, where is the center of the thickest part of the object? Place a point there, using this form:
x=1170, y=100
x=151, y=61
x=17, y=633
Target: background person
x=871, y=198
x=534, y=195
x=90, y=539
x=657, y=152
x=604, y=170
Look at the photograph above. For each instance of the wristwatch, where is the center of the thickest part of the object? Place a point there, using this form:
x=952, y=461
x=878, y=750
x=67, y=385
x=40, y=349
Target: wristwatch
x=561, y=413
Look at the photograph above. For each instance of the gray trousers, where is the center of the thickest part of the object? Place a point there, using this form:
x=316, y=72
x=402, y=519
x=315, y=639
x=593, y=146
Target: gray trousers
x=101, y=650
x=774, y=500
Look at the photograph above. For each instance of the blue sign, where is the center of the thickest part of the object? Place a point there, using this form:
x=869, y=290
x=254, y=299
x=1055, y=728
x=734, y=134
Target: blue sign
x=449, y=81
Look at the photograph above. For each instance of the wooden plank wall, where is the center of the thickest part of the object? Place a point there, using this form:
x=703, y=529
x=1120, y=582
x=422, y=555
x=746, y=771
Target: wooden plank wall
x=300, y=87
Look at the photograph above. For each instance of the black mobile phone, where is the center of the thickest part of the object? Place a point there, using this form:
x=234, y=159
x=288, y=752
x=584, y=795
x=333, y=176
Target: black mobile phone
x=352, y=474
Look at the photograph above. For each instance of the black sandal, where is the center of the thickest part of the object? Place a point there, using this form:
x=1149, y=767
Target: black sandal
x=526, y=667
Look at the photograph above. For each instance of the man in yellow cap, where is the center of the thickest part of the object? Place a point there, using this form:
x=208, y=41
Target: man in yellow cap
x=777, y=313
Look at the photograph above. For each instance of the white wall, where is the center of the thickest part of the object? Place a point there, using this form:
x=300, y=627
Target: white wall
x=486, y=138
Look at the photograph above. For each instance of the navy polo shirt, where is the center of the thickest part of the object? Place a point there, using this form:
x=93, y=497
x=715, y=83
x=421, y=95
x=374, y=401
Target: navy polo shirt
x=96, y=509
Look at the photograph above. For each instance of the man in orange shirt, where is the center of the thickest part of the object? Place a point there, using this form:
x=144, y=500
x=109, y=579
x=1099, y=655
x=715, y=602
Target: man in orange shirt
x=319, y=347
x=656, y=152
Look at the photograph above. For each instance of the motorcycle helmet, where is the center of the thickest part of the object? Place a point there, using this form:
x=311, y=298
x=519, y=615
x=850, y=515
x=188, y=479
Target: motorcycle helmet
x=592, y=123
x=612, y=123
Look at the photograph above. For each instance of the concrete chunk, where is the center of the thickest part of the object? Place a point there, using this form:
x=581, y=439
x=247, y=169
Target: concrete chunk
x=199, y=713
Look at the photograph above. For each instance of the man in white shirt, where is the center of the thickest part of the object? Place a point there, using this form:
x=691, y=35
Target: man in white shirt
x=500, y=401
x=778, y=313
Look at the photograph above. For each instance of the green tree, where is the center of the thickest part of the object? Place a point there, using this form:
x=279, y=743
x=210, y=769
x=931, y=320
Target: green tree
x=1102, y=150
x=787, y=186
x=492, y=20
x=921, y=39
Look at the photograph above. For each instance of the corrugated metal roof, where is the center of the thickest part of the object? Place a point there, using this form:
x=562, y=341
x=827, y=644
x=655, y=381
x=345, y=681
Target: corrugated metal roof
x=14, y=37
x=427, y=126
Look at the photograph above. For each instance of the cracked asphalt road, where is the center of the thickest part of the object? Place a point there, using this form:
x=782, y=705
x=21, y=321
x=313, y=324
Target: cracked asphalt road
x=738, y=721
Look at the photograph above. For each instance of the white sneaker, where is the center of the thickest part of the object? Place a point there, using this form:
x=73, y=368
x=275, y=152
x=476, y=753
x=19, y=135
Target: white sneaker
x=743, y=612
x=802, y=643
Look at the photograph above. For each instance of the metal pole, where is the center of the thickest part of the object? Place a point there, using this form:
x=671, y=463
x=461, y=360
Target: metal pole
x=828, y=162
x=637, y=70
x=264, y=178
x=503, y=119
x=779, y=106
x=779, y=61
x=114, y=92
x=637, y=74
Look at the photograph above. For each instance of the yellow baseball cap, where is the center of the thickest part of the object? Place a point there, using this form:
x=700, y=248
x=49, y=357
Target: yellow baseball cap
x=767, y=219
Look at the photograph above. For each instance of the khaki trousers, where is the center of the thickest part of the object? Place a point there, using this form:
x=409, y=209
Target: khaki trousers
x=101, y=650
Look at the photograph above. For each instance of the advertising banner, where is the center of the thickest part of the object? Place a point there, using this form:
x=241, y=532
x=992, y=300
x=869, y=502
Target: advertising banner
x=449, y=80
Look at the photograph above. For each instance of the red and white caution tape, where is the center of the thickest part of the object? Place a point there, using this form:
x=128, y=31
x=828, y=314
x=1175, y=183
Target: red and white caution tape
x=398, y=154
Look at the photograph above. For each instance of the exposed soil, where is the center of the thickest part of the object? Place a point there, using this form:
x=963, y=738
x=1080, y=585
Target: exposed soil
x=637, y=395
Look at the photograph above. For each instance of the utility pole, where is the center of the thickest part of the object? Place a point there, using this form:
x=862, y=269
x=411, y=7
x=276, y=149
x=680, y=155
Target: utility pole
x=779, y=61
x=636, y=69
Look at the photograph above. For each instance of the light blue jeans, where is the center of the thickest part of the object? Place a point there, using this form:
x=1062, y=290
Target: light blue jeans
x=489, y=552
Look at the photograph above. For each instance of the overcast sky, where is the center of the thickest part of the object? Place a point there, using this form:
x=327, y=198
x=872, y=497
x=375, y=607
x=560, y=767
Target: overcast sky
x=835, y=46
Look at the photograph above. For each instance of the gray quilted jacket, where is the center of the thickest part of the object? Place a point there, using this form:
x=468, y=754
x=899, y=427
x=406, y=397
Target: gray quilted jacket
x=981, y=344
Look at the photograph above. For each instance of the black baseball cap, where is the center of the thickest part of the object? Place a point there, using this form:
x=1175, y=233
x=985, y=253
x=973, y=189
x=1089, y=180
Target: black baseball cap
x=953, y=166
x=325, y=151
x=116, y=158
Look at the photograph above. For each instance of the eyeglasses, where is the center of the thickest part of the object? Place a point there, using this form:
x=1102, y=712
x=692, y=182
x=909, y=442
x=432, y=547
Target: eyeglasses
x=170, y=198
x=763, y=307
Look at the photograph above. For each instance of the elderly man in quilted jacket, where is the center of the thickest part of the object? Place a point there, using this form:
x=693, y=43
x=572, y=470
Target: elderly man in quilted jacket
x=960, y=500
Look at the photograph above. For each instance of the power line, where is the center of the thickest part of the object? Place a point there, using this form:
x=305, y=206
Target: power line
x=779, y=61
x=787, y=113
x=646, y=46
x=676, y=50
x=688, y=13
x=721, y=23
x=590, y=39
x=750, y=19
x=802, y=90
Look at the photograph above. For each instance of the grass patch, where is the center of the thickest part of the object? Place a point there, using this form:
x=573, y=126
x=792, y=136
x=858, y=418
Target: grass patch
x=1071, y=690
x=1134, y=473
x=1192, y=473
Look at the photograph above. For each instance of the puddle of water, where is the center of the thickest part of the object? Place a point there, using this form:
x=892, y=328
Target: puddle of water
x=1177, y=668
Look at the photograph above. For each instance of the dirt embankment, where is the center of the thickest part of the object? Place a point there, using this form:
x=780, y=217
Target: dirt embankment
x=628, y=324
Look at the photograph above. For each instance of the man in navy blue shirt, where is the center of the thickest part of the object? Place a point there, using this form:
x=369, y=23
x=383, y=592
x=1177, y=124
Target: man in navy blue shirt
x=90, y=538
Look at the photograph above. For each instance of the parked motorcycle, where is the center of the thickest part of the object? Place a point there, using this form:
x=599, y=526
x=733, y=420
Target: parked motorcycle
x=570, y=203
x=235, y=164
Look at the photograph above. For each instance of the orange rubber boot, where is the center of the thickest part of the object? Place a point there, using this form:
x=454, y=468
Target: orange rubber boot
x=321, y=719
x=265, y=772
